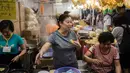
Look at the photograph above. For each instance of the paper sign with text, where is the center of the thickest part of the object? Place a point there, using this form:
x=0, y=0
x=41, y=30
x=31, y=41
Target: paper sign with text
x=8, y=9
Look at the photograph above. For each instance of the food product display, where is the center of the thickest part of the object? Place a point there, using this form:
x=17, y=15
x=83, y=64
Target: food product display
x=31, y=20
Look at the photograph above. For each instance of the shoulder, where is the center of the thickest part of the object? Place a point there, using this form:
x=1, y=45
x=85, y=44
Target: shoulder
x=72, y=32
x=16, y=35
x=53, y=34
x=114, y=48
x=118, y=28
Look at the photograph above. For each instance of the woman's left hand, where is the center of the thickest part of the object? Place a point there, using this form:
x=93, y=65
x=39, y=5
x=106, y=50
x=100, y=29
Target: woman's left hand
x=16, y=58
x=76, y=43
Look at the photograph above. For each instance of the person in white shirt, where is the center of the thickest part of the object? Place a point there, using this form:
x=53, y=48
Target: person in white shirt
x=107, y=21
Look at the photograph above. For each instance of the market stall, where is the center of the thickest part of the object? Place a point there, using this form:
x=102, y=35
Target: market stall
x=36, y=20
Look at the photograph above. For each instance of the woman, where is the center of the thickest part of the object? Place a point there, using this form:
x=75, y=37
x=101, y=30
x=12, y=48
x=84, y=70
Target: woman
x=102, y=56
x=9, y=45
x=64, y=43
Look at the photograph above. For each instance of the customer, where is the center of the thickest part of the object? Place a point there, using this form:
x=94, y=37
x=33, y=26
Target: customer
x=122, y=33
x=102, y=56
x=9, y=45
x=64, y=43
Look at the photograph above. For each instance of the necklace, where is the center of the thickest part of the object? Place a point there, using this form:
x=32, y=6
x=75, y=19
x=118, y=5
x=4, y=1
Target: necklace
x=102, y=52
x=7, y=39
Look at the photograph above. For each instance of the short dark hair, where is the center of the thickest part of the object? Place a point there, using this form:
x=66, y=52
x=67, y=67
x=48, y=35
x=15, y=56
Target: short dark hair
x=6, y=23
x=105, y=37
x=62, y=17
x=119, y=20
x=119, y=8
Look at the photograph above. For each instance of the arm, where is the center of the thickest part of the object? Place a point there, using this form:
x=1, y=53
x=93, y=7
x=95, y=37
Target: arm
x=23, y=50
x=76, y=41
x=117, y=66
x=44, y=48
x=47, y=45
x=117, y=31
x=87, y=57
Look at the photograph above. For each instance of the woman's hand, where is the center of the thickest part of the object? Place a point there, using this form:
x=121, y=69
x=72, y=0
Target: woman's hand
x=44, y=48
x=76, y=43
x=38, y=56
x=97, y=62
x=16, y=58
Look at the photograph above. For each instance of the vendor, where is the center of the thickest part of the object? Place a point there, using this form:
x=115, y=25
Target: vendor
x=64, y=43
x=103, y=57
x=9, y=45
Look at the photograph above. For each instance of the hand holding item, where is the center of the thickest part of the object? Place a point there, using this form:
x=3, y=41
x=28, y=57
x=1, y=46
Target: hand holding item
x=37, y=59
x=76, y=43
x=97, y=62
x=16, y=58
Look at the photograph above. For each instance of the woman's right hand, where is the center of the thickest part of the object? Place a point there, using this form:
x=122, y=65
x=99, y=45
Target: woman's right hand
x=38, y=56
x=97, y=62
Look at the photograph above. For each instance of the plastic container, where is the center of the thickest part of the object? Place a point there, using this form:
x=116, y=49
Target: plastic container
x=67, y=70
x=43, y=71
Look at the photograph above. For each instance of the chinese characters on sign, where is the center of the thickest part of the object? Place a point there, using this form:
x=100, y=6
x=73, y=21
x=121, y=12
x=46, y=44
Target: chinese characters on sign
x=7, y=9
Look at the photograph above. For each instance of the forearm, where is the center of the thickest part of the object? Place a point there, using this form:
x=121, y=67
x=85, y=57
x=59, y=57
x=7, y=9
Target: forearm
x=88, y=59
x=22, y=52
x=118, y=69
x=45, y=47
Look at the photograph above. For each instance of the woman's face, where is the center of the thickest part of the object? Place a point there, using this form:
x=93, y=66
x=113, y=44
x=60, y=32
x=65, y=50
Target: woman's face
x=106, y=45
x=67, y=24
x=6, y=32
